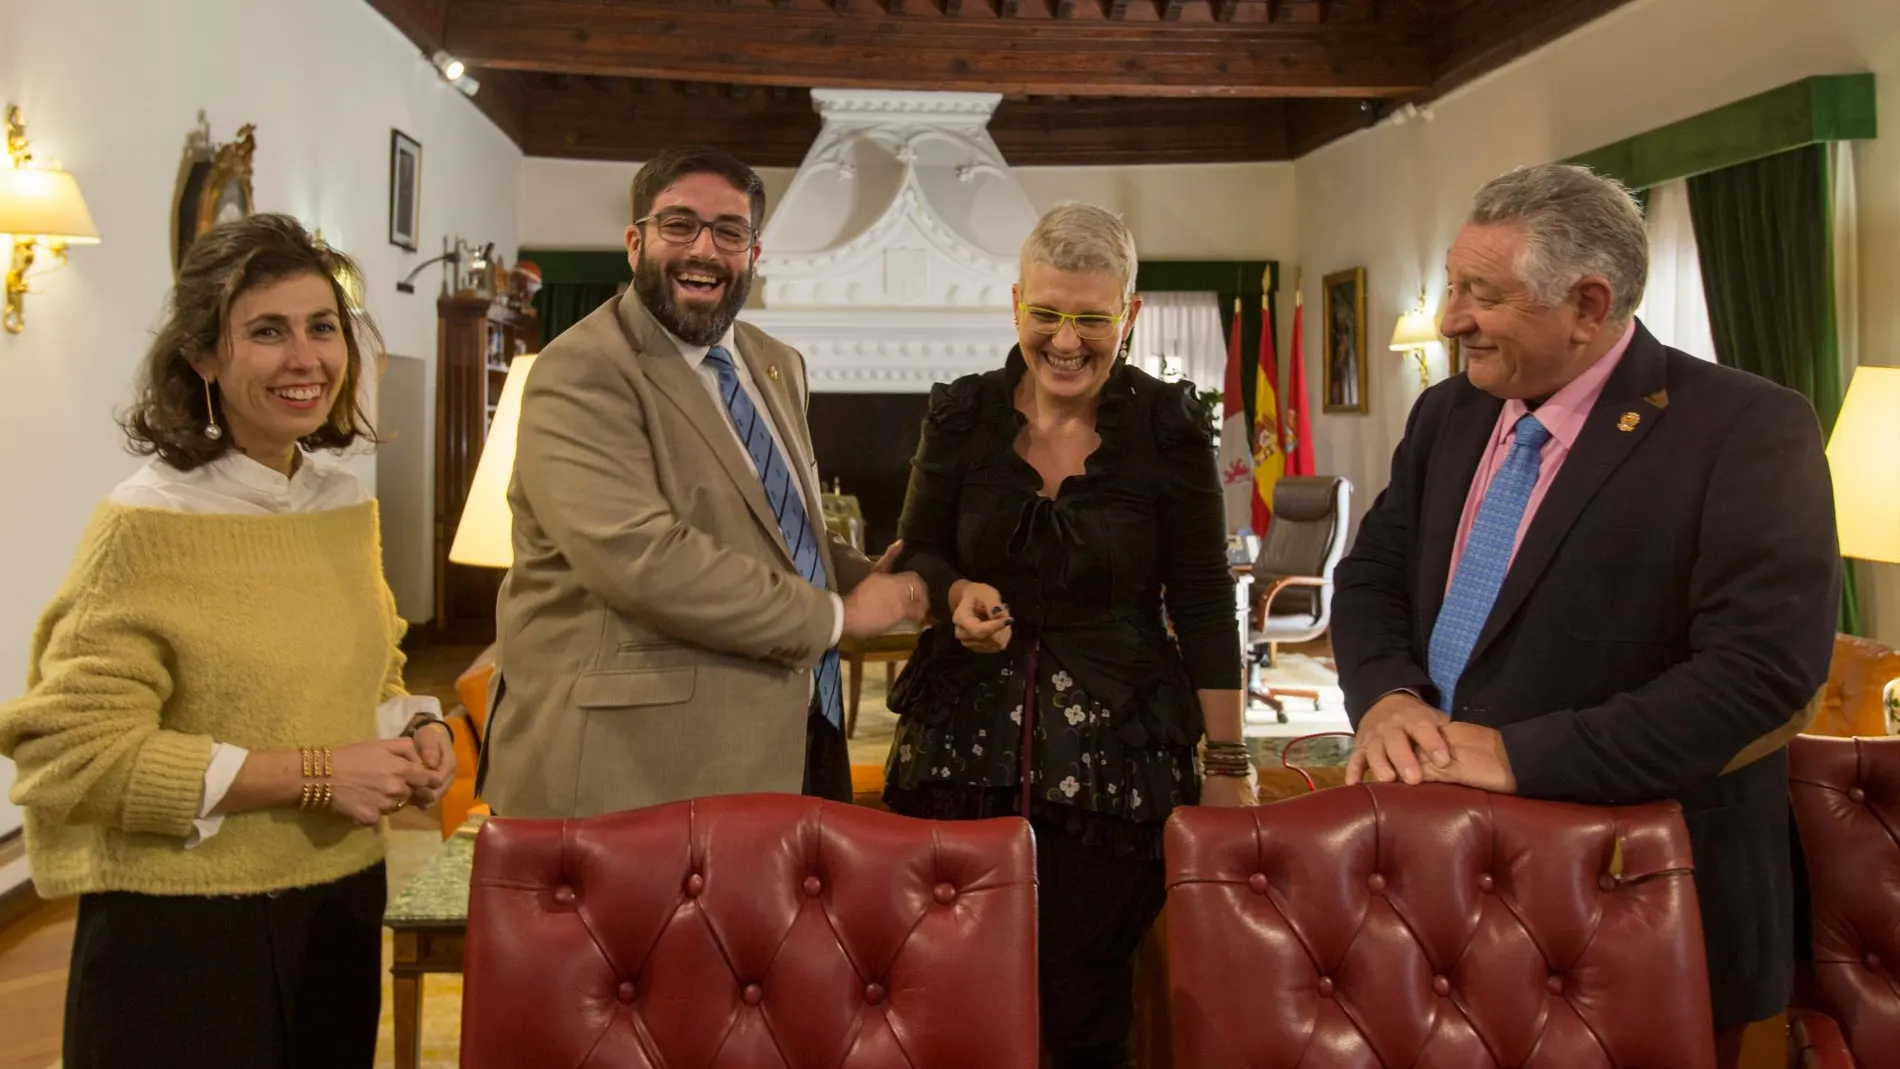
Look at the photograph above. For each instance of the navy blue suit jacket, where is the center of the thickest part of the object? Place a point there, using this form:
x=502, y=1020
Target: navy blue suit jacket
x=1674, y=600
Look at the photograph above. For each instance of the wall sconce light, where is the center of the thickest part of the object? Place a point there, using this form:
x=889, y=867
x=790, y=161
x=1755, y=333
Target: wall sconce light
x=1415, y=330
x=40, y=208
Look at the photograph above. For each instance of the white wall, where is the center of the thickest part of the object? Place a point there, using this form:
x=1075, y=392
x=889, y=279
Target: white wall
x=1238, y=211
x=1391, y=198
x=110, y=88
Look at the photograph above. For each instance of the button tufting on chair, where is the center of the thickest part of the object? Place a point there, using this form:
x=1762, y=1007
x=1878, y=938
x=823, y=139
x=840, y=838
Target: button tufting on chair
x=1846, y=799
x=691, y=913
x=1257, y=883
x=564, y=895
x=1481, y=941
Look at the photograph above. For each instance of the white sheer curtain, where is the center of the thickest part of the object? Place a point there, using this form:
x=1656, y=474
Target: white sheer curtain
x=1674, y=307
x=1178, y=335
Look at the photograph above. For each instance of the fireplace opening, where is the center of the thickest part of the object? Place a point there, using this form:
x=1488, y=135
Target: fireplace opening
x=864, y=442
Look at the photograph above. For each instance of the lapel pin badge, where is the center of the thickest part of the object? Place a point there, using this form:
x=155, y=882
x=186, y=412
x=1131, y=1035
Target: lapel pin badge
x=1628, y=422
x=772, y=370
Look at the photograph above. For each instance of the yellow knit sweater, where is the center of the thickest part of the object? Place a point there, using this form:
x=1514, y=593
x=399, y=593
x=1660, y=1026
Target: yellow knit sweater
x=175, y=630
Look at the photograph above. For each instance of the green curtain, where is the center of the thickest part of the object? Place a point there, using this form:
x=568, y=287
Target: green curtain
x=574, y=283
x=563, y=304
x=1764, y=235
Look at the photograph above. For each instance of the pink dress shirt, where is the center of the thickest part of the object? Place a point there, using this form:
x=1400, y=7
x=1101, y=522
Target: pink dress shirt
x=1563, y=416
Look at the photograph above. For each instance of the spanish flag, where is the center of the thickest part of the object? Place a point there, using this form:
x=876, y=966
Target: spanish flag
x=1269, y=460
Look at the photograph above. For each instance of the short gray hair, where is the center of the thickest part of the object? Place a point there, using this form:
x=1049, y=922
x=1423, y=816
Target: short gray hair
x=1082, y=237
x=1576, y=222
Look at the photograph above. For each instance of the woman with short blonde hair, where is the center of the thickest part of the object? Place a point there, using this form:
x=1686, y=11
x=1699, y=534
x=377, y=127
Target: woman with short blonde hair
x=1065, y=510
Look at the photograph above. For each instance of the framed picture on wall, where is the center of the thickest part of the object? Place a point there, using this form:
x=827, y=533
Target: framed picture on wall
x=1344, y=313
x=405, y=189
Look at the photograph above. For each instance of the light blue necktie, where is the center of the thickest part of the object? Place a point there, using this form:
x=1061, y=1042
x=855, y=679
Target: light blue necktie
x=781, y=493
x=1486, y=558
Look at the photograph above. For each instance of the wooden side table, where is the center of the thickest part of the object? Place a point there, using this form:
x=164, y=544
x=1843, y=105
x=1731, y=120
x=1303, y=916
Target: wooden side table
x=894, y=645
x=427, y=923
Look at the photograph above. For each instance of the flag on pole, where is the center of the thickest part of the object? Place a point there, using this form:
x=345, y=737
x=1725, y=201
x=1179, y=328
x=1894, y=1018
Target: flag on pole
x=1269, y=458
x=1236, y=459
x=1296, y=430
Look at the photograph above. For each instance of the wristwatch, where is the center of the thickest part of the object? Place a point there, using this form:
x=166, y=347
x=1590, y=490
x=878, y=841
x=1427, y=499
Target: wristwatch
x=421, y=721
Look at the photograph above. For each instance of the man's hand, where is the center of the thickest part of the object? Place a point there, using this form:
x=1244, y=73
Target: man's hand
x=1392, y=735
x=882, y=601
x=888, y=561
x=1477, y=759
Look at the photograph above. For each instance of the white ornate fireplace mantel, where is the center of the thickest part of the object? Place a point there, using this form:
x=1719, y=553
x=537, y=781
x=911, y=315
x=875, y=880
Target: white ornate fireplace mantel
x=889, y=260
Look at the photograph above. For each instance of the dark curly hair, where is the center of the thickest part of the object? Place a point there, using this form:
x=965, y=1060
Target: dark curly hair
x=169, y=414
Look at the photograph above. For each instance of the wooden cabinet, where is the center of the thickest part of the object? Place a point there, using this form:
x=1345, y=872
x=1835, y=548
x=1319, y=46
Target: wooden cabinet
x=475, y=339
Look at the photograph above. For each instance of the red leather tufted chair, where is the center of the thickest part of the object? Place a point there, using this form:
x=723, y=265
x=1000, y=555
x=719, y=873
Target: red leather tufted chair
x=1434, y=926
x=1846, y=795
x=751, y=931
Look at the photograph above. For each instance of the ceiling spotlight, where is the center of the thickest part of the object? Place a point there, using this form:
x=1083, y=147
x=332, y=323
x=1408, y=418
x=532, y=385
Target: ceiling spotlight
x=451, y=68
x=467, y=84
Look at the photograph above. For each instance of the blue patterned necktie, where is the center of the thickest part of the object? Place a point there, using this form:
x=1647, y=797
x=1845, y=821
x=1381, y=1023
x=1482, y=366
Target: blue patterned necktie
x=1486, y=558
x=781, y=493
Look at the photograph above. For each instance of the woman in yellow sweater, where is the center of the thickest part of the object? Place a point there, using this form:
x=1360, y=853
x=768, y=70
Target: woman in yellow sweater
x=215, y=725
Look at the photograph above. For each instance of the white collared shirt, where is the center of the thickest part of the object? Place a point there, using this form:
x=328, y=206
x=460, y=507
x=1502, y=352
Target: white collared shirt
x=234, y=484
x=696, y=359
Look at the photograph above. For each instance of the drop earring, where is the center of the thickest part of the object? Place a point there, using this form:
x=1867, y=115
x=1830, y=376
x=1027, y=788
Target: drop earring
x=212, y=430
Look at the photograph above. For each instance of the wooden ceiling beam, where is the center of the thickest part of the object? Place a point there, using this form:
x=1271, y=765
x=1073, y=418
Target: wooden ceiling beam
x=1111, y=57
x=1033, y=132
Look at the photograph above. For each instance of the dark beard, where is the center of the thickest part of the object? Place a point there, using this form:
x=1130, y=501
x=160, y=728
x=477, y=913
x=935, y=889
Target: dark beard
x=692, y=325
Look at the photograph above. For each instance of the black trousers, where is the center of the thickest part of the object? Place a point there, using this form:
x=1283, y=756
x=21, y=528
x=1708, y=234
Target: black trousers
x=1093, y=911
x=290, y=980
x=827, y=759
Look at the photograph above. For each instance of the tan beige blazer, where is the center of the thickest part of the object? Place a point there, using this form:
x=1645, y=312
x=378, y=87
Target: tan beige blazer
x=654, y=639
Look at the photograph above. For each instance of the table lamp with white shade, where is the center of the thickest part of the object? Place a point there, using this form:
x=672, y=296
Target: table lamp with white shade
x=484, y=538
x=1863, y=455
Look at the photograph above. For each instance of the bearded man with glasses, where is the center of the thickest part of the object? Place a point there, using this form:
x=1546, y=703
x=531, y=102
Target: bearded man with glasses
x=669, y=628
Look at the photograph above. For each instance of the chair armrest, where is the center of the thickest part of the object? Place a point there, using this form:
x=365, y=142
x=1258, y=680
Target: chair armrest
x=1263, y=600
x=1815, y=1042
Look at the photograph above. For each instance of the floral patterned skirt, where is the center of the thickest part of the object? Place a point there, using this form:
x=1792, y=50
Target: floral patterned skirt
x=964, y=761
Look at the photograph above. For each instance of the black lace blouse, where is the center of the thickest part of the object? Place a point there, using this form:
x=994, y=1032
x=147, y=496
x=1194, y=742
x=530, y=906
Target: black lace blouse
x=1112, y=718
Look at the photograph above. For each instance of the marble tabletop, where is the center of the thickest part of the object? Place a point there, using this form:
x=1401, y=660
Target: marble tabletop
x=438, y=895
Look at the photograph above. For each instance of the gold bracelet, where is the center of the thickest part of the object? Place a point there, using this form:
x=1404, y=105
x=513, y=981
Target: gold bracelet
x=319, y=764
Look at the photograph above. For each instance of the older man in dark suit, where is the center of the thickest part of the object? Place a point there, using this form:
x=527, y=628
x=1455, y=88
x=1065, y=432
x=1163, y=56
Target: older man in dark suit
x=1604, y=571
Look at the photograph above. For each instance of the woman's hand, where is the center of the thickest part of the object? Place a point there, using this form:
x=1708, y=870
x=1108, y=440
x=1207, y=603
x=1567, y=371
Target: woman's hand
x=370, y=780
x=981, y=619
x=435, y=748
x=1228, y=791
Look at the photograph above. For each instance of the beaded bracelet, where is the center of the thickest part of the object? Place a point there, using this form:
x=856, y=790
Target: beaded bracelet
x=317, y=764
x=1226, y=759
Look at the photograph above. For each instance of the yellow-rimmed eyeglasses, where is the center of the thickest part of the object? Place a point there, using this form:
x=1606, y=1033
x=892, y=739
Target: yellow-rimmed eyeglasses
x=682, y=228
x=1089, y=326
